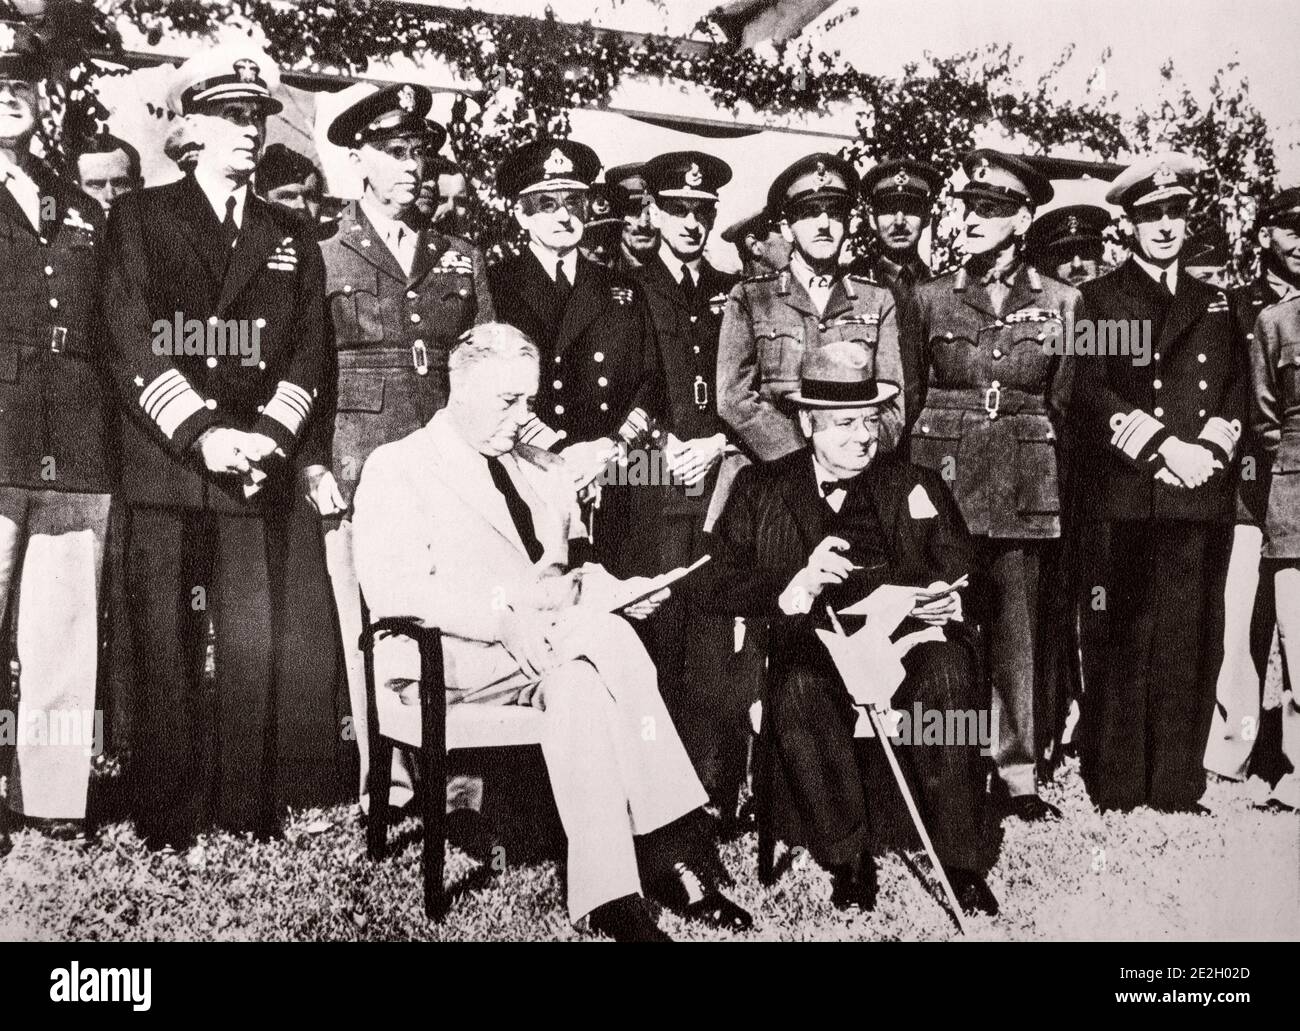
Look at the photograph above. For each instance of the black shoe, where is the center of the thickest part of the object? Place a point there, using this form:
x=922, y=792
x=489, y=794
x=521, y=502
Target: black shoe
x=688, y=894
x=626, y=920
x=55, y=830
x=973, y=892
x=1031, y=808
x=854, y=887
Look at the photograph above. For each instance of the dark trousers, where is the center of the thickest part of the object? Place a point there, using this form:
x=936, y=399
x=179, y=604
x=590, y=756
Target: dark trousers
x=824, y=766
x=706, y=683
x=182, y=566
x=1148, y=723
x=1010, y=613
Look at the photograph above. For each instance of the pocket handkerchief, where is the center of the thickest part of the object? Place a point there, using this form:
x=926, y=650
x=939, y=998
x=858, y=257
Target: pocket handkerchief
x=919, y=505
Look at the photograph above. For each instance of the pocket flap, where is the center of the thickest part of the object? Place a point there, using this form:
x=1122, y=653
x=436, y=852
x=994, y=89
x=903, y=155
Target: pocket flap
x=939, y=424
x=360, y=391
x=1035, y=428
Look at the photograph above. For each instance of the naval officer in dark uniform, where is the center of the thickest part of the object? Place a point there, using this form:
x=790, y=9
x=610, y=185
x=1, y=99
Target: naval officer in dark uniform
x=212, y=438
x=1162, y=442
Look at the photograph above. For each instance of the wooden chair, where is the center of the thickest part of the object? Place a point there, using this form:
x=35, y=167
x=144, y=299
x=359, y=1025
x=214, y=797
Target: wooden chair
x=426, y=733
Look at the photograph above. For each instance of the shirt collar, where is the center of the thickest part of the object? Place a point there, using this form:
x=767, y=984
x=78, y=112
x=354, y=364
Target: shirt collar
x=385, y=225
x=548, y=258
x=23, y=188
x=1280, y=286
x=803, y=272
x=218, y=191
x=675, y=264
x=823, y=475
x=1160, y=275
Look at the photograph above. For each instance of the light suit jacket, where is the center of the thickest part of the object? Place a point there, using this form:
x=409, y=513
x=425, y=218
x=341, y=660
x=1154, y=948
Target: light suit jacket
x=433, y=538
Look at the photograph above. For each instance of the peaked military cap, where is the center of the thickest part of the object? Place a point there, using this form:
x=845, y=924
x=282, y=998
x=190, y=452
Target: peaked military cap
x=902, y=177
x=1282, y=209
x=994, y=175
x=686, y=174
x=234, y=71
x=22, y=52
x=1153, y=178
x=813, y=177
x=1062, y=233
x=603, y=205
x=548, y=165
x=757, y=223
x=397, y=110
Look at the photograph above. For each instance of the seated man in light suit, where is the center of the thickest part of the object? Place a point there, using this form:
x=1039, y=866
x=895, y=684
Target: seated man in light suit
x=461, y=526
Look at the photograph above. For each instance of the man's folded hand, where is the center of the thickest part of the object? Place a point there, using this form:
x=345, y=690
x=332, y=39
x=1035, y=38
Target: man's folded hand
x=523, y=634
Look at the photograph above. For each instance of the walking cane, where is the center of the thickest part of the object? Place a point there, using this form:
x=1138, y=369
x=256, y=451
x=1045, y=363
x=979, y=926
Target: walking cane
x=877, y=724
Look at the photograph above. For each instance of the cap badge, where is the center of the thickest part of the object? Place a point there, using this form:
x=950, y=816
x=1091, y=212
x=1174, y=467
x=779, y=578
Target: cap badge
x=982, y=172
x=246, y=70
x=406, y=98
x=559, y=163
x=1072, y=224
x=599, y=206
x=1164, y=176
x=694, y=177
x=900, y=179
x=8, y=38
x=821, y=178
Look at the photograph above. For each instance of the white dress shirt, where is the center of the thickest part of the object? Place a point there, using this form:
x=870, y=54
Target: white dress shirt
x=549, y=259
x=219, y=191
x=398, y=237
x=675, y=265
x=836, y=497
x=23, y=189
x=1168, y=277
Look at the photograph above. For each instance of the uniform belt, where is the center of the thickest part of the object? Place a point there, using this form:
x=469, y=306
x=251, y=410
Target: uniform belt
x=414, y=357
x=993, y=400
x=57, y=340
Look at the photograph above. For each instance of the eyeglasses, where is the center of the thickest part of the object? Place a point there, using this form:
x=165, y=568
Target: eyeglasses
x=553, y=203
x=403, y=151
x=1173, y=210
x=835, y=209
x=986, y=207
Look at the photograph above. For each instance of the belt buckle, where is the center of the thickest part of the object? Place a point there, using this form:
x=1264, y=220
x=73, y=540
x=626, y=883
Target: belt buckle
x=701, y=392
x=58, y=339
x=993, y=399
x=420, y=359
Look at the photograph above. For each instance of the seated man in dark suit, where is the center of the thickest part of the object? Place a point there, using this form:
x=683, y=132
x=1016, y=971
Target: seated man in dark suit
x=819, y=529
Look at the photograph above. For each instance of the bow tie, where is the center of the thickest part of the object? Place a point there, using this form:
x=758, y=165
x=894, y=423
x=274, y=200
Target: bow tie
x=829, y=487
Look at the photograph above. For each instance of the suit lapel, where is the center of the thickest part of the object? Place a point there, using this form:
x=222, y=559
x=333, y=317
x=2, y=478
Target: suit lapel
x=974, y=295
x=363, y=240
x=1023, y=292
x=587, y=300
x=800, y=495
x=1188, y=306
x=199, y=225
x=791, y=291
x=537, y=291
x=257, y=239
x=452, y=464
x=430, y=246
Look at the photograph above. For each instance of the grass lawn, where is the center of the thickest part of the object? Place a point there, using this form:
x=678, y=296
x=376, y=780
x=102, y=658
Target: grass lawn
x=1144, y=875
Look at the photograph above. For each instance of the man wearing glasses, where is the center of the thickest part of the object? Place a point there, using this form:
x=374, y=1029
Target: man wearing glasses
x=994, y=392
x=400, y=294
x=772, y=321
x=213, y=436
x=1168, y=432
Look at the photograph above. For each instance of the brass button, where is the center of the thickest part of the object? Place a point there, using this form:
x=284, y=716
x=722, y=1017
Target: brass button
x=559, y=409
x=54, y=302
x=1159, y=412
x=997, y=353
x=604, y=407
x=603, y=381
x=411, y=295
x=49, y=270
x=212, y=363
x=261, y=323
x=415, y=316
x=210, y=404
x=1201, y=358
x=599, y=356
x=1157, y=384
x=1203, y=385
x=558, y=385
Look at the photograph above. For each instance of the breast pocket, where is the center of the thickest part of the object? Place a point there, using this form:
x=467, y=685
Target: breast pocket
x=356, y=312
x=1037, y=482
x=936, y=441
x=780, y=356
x=1288, y=374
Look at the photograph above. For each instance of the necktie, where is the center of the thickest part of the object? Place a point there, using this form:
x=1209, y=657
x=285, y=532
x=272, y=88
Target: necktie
x=688, y=286
x=562, y=284
x=229, y=228
x=520, y=514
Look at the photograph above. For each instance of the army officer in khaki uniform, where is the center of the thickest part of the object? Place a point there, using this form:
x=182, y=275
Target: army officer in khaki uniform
x=993, y=399
x=400, y=294
x=772, y=320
